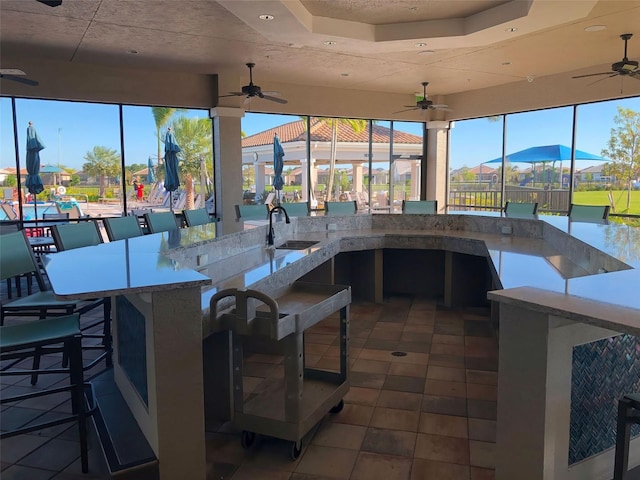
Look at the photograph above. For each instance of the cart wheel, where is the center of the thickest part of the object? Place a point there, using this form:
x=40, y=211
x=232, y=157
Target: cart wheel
x=296, y=449
x=247, y=439
x=338, y=408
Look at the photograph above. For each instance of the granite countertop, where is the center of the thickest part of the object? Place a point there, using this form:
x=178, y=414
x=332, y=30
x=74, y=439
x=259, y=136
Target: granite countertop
x=552, y=255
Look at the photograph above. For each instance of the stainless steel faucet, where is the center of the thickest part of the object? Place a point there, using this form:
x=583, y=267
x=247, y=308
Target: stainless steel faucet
x=277, y=208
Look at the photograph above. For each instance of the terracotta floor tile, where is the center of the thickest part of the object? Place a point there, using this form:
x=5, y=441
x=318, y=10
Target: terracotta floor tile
x=482, y=474
x=315, y=349
x=482, y=392
x=448, y=339
x=447, y=349
x=371, y=366
x=408, y=370
x=412, y=357
x=482, y=409
x=447, y=425
x=319, y=338
x=478, y=351
x=404, y=384
x=442, y=449
x=480, y=429
x=246, y=472
x=394, y=419
x=451, y=361
x=482, y=377
x=432, y=470
x=399, y=400
x=484, y=342
x=354, y=415
x=362, y=396
x=444, y=405
x=445, y=389
x=367, y=380
x=339, y=435
x=389, y=442
x=327, y=461
x=371, y=466
x=482, y=454
x=446, y=373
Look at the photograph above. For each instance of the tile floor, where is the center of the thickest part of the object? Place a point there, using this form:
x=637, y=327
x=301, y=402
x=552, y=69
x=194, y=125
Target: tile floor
x=430, y=414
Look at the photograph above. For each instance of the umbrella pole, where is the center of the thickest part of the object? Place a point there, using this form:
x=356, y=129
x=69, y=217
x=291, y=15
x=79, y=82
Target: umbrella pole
x=171, y=201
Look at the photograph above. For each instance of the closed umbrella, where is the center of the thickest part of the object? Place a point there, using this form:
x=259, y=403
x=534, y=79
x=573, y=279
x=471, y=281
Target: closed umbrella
x=171, y=180
x=151, y=177
x=278, y=165
x=34, y=182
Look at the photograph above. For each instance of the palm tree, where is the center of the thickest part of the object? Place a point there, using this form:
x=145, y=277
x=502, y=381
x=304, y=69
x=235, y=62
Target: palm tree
x=194, y=137
x=358, y=126
x=102, y=162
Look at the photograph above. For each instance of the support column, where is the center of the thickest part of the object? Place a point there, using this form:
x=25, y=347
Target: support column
x=437, y=165
x=260, y=172
x=227, y=143
x=358, y=177
x=304, y=185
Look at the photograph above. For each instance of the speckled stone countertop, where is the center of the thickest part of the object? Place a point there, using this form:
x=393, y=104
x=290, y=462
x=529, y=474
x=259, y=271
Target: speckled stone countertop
x=550, y=263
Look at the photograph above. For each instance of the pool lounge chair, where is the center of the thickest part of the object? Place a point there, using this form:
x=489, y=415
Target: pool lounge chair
x=420, y=206
x=521, y=209
x=588, y=212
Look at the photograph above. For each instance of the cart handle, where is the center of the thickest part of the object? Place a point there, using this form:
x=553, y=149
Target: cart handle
x=213, y=303
x=264, y=298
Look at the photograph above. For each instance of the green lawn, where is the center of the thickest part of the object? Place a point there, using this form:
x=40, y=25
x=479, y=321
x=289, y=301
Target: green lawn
x=602, y=198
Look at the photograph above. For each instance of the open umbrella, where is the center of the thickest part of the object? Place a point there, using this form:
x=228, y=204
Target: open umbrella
x=34, y=182
x=171, y=180
x=278, y=165
x=151, y=177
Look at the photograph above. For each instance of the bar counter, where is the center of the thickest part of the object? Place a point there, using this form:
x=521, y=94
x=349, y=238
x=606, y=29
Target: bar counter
x=548, y=271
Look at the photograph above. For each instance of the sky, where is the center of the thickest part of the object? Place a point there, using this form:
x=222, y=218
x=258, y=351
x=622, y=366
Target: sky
x=71, y=129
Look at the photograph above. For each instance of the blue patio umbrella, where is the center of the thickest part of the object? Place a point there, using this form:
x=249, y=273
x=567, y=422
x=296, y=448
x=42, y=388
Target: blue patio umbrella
x=171, y=150
x=151, y=177
x=278, y=165
x=34, y=182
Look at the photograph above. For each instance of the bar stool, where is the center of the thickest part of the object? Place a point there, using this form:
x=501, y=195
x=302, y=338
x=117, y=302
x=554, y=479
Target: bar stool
x=32, y=339
x=628, y=414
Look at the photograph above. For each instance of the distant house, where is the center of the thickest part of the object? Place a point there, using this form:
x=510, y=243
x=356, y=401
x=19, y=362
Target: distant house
x=481, y=174
x=593, y=174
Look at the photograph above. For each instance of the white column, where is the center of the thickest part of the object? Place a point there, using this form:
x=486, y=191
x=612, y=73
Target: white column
x=415, y=180
x=314, y=181
x=259, y=169
x=304, y=185
x=357, y=176
x=228, y=165
x=437, y=150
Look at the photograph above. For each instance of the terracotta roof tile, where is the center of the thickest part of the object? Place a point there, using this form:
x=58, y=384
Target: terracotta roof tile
x=321, y=132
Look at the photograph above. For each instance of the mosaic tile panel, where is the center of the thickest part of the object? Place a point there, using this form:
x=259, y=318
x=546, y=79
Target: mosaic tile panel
x=603, y=371
x=132, y=345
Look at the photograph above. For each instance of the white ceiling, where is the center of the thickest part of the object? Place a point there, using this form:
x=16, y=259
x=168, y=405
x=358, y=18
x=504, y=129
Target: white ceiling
x=467, y=43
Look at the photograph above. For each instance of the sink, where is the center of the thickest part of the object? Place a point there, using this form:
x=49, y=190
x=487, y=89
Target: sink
x=296, y=245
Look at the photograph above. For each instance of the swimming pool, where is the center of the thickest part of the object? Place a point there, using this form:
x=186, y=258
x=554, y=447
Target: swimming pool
x=29, y=210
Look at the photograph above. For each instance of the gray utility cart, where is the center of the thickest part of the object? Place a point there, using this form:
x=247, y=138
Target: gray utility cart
x=297, y=402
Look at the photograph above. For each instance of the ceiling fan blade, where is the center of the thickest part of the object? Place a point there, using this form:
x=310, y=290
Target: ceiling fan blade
x=593, y=74
x=26, y=81
x=407, y=110
x=274, y=99
x=272, y=93
x=442, y=108
x=610, y=76
x=635, y=75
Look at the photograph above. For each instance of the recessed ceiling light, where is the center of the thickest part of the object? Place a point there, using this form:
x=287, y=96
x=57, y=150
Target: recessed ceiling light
x=595, y=28
x=266, y=17
x=420, y=44
x=329, y=42
x=426, y=52
x=511, y=29
x=132, y=52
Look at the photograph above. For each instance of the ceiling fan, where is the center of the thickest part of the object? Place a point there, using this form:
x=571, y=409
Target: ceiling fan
x=16, y=75
x=250, y=91
x=625, y=67
x=424, y=103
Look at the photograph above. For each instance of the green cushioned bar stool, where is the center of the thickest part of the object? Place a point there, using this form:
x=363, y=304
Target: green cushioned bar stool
x=41, y=337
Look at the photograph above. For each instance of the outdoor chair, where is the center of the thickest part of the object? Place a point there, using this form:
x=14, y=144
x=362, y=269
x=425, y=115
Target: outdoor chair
x=420, y=206
x=120, y=228
x=297, y=209
x=160, y=222
x=68, y=236
x=199, y=216
x=588, y=212
x=251, y=212
x=340, y=208
x=524, y=209
x=71, y=209
x=32, y=339
x=9, y=212
x=17, y=258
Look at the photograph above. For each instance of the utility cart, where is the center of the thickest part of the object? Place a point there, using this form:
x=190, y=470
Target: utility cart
x=293, y=405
